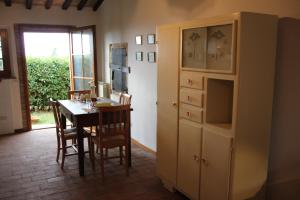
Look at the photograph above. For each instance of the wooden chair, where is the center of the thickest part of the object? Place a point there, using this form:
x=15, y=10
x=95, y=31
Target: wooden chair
x=71, y=93
x=112, y=132
x=64, y=135
x=125, y=99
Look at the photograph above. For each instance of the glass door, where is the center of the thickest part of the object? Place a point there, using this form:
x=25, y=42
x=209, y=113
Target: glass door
x=83, y=65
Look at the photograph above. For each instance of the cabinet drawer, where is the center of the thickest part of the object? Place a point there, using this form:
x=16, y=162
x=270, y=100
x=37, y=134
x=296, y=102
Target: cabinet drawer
x=191, y=96
x=191, y=80
x=190, y=112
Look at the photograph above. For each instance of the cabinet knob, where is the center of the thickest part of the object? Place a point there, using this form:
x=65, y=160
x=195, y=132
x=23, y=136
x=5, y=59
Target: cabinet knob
x=204, y=161
x=190, y=82
x=196, y=158
x=188, y=98
x=174, y=104
x=188, y=114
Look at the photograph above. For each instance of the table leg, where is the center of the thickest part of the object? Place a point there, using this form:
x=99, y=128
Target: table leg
x=129, y=142
x=80, y=150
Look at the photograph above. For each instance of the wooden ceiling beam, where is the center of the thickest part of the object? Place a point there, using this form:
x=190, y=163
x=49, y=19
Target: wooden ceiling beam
x=48, y=4
x=97, y=5
x=81, y=4
x=29, y=4
x=7, y=3
x=66, y=4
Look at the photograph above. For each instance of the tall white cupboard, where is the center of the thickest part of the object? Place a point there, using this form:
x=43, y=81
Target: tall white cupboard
x=214, y=105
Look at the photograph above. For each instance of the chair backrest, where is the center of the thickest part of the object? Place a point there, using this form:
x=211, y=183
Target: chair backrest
x=71, y=93
x=125, y=99
x=114, y=121
x=57, y=117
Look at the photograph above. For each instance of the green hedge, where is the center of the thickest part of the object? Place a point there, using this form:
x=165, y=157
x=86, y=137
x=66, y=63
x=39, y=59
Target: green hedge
x=47, y=78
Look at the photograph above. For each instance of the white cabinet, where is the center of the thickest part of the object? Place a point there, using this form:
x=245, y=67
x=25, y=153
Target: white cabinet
x=214, y=112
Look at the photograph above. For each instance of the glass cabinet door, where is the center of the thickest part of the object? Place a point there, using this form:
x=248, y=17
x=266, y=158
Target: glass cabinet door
x=219, y=47
x=194, y=48
x=208, y=48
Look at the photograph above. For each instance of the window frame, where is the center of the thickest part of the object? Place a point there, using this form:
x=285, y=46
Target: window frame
x=6, y=73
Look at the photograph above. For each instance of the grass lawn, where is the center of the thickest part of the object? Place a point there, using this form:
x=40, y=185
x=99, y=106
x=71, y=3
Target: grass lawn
x=44, y=117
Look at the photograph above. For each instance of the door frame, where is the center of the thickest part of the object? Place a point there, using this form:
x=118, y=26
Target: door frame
x=20, y=29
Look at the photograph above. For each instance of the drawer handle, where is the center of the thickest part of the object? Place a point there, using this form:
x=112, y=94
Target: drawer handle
x=188, y=114
x=190, y=82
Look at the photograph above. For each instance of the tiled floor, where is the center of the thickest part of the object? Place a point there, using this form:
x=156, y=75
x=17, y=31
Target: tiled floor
x=28, y=170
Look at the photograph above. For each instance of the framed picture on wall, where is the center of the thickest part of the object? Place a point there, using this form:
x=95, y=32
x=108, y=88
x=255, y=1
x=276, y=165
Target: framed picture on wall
x=139, y=39
x=151, y=38
x=151, y=57
x=139, y=56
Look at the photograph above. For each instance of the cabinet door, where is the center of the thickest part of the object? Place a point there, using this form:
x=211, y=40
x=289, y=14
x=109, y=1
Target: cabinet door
x=215, y=166
x=167, y=103
x=188, y=172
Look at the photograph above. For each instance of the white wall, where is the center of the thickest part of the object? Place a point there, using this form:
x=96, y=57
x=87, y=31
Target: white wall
x=10, y=108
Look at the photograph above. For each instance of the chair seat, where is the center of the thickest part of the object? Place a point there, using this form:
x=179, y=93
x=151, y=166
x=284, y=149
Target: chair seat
x=112, y=141
x=71, y=133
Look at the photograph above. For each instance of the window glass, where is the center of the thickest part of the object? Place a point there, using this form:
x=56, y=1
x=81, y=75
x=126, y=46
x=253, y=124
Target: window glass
x=1, y=65
x=4, y=55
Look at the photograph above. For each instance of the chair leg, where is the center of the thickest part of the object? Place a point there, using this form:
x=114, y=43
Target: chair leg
x=63, y=154
x=92, y=153
x=106, y=152
x=58, y=148
x=121, y=154
x=126, y=160
x=102, y=162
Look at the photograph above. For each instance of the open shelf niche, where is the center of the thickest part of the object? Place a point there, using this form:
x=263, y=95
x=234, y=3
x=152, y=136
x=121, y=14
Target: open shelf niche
x=219, y=103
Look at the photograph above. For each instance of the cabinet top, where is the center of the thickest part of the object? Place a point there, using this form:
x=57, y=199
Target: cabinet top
x=215, y=20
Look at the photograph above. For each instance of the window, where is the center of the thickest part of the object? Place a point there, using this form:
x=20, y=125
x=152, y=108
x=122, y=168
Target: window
x=83, y=58
x=4, y=55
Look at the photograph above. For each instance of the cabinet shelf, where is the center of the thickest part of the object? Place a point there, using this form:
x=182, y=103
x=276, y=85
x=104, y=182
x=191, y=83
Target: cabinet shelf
x=219, y=102
x=227, y=126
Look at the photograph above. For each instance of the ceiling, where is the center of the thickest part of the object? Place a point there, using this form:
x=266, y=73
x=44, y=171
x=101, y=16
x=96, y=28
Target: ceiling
x=64, y=4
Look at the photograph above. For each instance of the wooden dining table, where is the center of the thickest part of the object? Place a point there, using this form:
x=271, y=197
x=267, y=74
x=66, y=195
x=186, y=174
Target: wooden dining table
x=82, y=115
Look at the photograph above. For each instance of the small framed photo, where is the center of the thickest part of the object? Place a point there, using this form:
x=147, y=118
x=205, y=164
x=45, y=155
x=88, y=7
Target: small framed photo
x=151, y=38
x=152, y=57
x=139, y=56
x=139, y=39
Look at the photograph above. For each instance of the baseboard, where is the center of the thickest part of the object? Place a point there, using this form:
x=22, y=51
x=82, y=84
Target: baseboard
x=21, y=130
x=143, y=146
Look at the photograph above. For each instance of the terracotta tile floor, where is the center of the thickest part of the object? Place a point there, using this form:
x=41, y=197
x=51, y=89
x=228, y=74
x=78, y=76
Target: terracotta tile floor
x=28, y=170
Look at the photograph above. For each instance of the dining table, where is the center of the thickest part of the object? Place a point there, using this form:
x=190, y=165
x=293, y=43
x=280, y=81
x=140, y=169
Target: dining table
x=82, y=114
